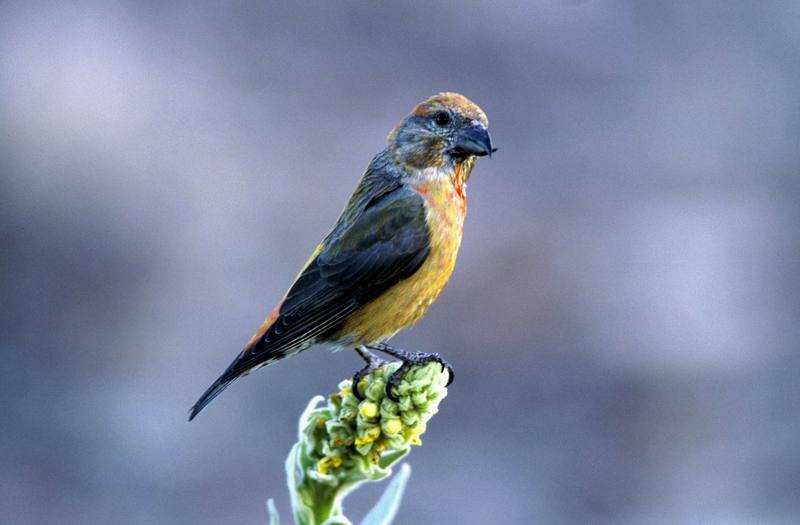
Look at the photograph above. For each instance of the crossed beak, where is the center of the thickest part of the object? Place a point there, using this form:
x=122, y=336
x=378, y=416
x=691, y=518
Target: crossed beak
x=474, y=140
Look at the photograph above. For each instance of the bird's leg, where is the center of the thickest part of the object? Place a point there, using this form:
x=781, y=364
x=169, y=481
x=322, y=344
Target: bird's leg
x=373, y=362
x=409, y=359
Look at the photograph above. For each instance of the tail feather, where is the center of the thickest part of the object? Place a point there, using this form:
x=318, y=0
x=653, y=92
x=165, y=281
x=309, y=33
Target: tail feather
x=240, y=366
x=213, y=391
x=257, y=353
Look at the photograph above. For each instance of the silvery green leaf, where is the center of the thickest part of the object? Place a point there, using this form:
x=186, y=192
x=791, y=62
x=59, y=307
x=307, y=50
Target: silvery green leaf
x=274, y=518
x=393, y=455
x=337, y=520
x=385, y=510
x=303, y=515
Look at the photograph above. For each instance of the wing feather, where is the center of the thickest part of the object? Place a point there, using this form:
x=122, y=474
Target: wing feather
x=380, y=239
x=385, y=244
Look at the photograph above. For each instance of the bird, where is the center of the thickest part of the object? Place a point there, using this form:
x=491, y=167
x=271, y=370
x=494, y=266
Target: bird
x=389, y=254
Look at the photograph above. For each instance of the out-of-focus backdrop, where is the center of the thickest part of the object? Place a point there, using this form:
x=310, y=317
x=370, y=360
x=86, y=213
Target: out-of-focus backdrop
x=625, y=314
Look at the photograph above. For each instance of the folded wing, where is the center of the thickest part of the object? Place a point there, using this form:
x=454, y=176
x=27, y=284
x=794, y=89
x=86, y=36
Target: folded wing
x=384, y=243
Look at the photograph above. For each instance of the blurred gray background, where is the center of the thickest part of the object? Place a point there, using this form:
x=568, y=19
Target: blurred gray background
x=624, y=318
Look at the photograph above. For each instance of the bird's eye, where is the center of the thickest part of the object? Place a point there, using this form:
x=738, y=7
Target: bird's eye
x=442, y=118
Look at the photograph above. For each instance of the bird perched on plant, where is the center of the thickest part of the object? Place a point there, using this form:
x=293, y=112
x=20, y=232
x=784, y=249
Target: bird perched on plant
x=389, y=254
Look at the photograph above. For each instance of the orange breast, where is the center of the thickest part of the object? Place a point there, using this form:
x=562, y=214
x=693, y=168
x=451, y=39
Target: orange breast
x=406, y=303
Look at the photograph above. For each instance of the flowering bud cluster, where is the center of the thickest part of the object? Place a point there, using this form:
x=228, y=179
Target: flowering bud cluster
x=349, y=437
x=348, y=440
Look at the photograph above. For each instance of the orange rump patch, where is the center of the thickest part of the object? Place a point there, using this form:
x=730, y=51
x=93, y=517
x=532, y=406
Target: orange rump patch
x=273, y=315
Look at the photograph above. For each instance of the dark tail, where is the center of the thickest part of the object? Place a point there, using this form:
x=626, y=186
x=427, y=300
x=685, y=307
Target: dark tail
x=259, y=352
x=213, y=391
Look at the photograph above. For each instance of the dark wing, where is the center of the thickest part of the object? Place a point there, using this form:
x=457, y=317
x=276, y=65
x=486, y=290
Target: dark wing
x=387, y=243
x=383, y=244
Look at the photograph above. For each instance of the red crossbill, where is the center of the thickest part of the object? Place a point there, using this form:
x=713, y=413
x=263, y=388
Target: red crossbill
x=389, y=254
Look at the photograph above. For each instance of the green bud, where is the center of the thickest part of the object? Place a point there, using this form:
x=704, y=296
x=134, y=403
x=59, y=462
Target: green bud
x=346, y=441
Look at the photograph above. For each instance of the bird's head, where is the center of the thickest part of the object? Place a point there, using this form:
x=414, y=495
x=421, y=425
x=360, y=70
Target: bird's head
x=447, y=129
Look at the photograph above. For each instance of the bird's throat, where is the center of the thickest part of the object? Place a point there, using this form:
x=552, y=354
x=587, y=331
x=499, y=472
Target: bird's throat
x=445, y=188
x=461, y=172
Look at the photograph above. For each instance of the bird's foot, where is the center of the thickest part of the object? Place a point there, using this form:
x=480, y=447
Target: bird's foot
x=373, y=362
x=410, y=359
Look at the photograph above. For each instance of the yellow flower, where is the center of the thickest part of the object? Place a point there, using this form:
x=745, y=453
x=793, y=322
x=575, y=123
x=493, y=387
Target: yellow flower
x=369, y=435
x=328, y=462
x=392, y=426
x=368, y=409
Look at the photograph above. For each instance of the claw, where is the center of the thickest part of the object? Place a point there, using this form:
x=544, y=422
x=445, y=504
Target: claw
x=395, y=379
x=409, y=359
x=450, y=372
x=373, y=362
x=357, y=377
x=416, y=358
